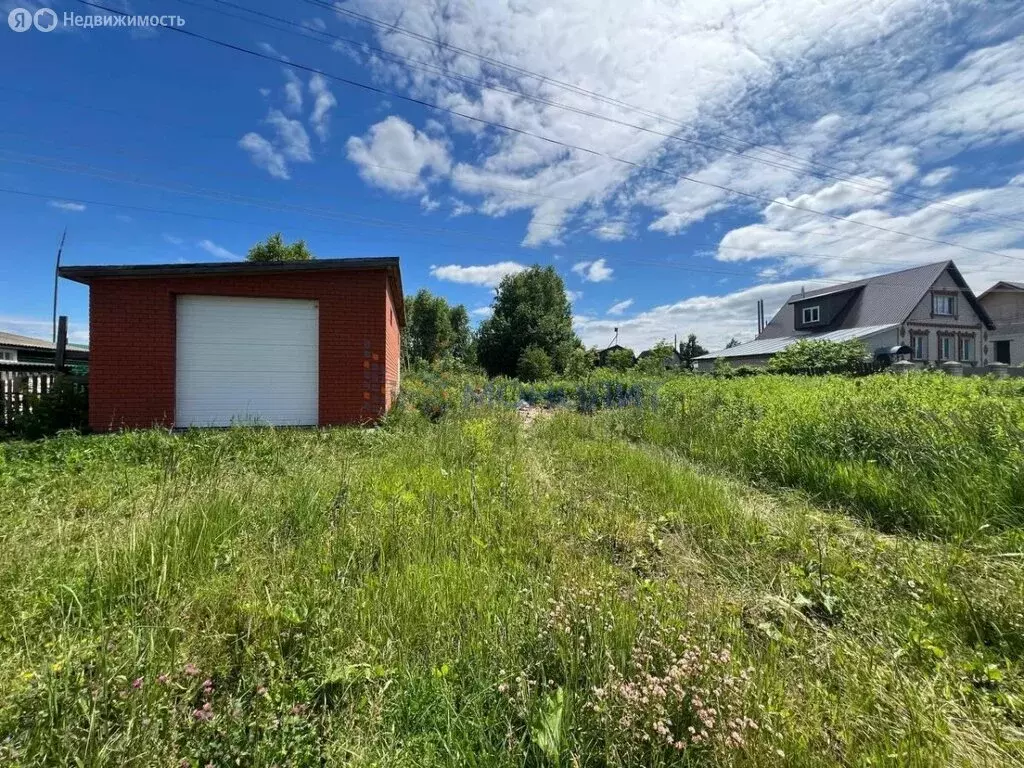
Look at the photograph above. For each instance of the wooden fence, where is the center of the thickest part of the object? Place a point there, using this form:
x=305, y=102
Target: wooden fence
x=19, y=383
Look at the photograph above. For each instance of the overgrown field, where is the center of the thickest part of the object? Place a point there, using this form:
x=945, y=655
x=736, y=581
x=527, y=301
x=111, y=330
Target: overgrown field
x=458, y=588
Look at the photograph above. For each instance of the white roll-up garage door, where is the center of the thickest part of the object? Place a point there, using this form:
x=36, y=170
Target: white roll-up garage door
x=242, y=360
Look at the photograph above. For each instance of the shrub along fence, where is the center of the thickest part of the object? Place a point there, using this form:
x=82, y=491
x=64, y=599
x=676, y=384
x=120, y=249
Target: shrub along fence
x=37, y=399
x=19, y=383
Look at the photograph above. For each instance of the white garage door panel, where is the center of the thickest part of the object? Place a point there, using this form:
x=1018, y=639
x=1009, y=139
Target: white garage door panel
x=246, y=360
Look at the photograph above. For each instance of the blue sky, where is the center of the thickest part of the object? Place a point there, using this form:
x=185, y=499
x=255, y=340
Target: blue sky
x=152, y=147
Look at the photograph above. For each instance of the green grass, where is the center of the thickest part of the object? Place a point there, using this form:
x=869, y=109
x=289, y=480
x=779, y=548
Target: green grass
x=471, y=592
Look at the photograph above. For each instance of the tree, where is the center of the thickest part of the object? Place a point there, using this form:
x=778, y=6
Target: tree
x=620, y=359
x=654, y=360
x=818, y=356
x=580, y=363
x=733, y=342
x=461, y=338
x=274, y=248
x=690, y=349
x=531, y=309
x=428, y=326
x=534, y=365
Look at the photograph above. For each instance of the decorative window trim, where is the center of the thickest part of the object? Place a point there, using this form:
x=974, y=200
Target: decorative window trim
x=963, y=341
x=914, y=336
x=952, y=296
x=941, y=337
x=815, y=312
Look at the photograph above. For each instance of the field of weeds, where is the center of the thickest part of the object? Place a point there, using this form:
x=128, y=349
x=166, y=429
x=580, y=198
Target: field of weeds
x=653, y=581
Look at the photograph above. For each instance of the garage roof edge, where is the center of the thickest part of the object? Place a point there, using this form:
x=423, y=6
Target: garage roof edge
x=87, y=274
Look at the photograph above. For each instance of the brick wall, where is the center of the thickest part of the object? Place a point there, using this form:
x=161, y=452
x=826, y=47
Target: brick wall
x=132, y=342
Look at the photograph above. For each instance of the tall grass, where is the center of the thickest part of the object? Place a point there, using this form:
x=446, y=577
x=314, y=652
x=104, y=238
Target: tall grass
x=467, y=591
x=927, y=454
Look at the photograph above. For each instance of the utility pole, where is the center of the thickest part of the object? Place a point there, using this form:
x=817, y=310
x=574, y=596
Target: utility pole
x=56, y=270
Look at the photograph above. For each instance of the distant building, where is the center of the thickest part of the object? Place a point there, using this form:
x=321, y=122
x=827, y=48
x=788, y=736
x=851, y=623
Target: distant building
x=602, y=356
x=1004, y=303
x=672, y=362
x=15, y=348
x=928, y=312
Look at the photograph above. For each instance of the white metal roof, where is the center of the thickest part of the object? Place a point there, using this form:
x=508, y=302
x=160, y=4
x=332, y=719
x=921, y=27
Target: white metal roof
x=771, y=346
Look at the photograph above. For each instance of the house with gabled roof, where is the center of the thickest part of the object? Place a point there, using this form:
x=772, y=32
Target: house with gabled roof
x=1004, y=303
x=928, y=313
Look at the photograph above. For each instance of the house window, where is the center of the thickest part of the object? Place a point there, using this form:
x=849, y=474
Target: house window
x=8, y=355
x=943, y=304
x=919, y=346
x=966, y=349
x=811, y=315
x=945, y=347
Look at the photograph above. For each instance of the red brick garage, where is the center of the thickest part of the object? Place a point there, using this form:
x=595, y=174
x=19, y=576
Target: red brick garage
x=179, y=345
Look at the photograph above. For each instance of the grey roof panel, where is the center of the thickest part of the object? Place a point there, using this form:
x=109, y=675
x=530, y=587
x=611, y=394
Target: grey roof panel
x=771, y=346
x=881, y=300
x=17, y=340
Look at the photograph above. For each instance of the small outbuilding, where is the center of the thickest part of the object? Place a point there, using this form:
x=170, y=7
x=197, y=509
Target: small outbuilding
x=281, y=343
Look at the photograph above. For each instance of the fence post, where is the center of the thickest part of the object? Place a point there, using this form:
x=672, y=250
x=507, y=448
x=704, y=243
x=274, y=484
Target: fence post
x=953, y=368
x=62, y=343
x=903, y=367
x=999, y=370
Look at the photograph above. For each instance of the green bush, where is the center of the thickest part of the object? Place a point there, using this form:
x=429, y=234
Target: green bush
x=534, y=365
x=819, y=357
x=64, y=407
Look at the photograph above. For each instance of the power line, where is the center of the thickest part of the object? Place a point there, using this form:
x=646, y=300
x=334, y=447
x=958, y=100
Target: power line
x=788, y=253
x=557, y=142
x=877, y=187
x=106, y=174
x=541, y=78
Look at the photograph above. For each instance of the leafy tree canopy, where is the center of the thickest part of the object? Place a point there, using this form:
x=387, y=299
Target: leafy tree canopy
x=654, y=361
x=534, y=365
x=620, y=359
x=691, y=349
x=818, y=356
x=531, y=309
x=274, y=248
x=433, y=329
x=733, y=342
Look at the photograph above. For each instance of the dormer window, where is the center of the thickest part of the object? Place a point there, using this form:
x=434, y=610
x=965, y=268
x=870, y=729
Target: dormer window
x=943, y=304
x=811, y=315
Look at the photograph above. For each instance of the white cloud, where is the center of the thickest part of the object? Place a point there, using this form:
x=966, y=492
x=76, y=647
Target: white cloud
x=64, y=205
x=323, y=102
x=37, y=328
x=173, y=239
x=865, y=91
x=486, y=275
x=620, y=307
x=263, y=155
x=265, y=92
x=574, y=295
x=397, y=157
x=482, y=312
x=219, y=251
x=428, y=204
x=292, y=91
x=124, y=218
x=937, y=177
x=715, y=319
x=611, y=231
x=593, y=271
x=290, y=144
x=292, y=139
